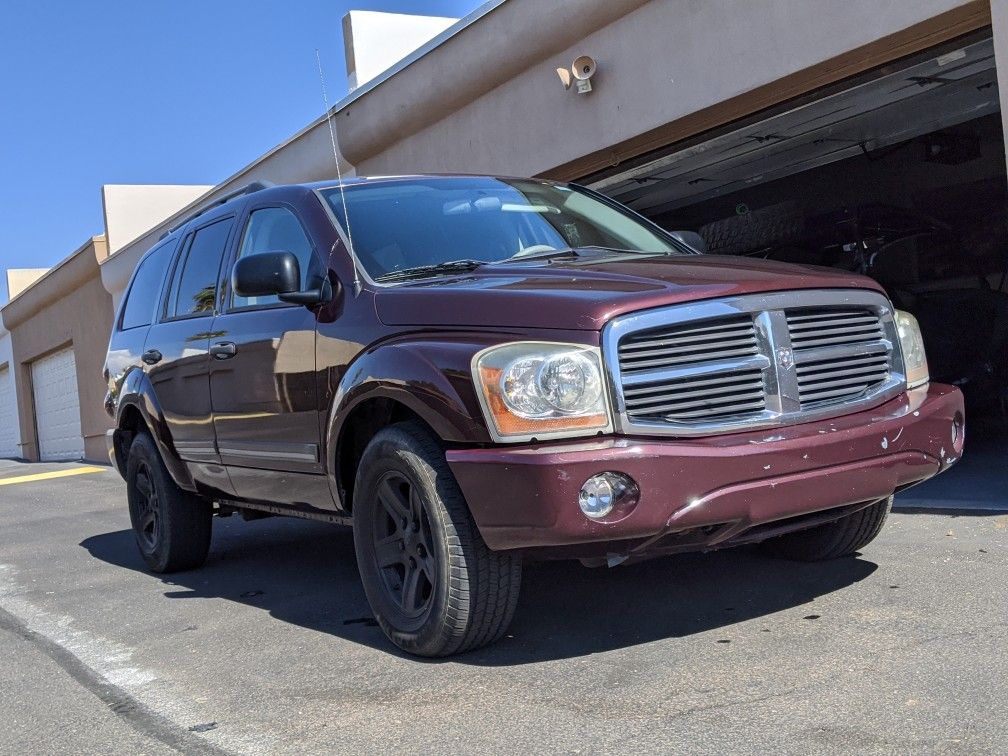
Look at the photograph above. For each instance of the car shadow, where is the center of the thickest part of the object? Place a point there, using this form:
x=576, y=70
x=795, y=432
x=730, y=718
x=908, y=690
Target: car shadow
x=305, y=573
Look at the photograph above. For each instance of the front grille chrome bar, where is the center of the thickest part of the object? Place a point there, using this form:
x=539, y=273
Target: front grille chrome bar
x=697, y=369
x=749, y=362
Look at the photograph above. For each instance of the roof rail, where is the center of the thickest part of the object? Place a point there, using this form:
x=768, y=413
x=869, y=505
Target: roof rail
x=255, y=186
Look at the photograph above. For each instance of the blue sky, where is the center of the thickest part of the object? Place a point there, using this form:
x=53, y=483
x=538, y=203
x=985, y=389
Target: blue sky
x=180, y=92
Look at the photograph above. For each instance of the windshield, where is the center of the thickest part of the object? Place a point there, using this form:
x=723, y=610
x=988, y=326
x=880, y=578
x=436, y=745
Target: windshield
x=403, y=224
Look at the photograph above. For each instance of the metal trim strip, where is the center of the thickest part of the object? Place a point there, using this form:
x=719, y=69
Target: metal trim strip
x=279, y=452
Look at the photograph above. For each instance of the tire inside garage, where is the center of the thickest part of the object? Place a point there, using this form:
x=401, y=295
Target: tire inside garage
x=57, y=407
x=899, y=175
x=8, y=415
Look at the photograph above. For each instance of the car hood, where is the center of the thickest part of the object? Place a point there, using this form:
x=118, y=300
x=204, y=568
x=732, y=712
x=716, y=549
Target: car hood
x=584, y=294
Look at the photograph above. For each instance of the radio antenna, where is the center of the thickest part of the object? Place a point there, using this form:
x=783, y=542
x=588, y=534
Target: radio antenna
x=339, y=176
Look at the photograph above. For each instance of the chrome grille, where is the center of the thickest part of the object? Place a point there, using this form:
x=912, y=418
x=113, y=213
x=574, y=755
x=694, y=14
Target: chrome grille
x=814, y=327
x=692, y=399
x=693, y=371
x=754, y=361
x=839, y=353
x=687, y=343
x=834, y=379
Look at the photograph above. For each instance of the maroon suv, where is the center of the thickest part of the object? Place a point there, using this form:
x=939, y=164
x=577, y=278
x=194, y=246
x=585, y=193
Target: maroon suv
x=475, y=371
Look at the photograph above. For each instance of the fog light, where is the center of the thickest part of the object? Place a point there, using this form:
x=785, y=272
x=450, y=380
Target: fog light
x=958, y=432
x=605, y=492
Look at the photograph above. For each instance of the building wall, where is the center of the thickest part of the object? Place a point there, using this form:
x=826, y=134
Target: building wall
x=668, y=70
x=131, y=209
x=5, y=347
x=480, y=103
x=307, y=156
x=999, y=23
x=374, y=41
x=66, y=307
x=19, y=279
x=9, y=410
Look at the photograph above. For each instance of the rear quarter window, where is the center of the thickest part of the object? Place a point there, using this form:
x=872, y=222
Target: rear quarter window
x=142, y=298
x=195, y=292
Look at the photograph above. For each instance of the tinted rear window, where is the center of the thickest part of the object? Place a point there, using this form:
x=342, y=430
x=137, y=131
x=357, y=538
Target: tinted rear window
x=197, y=289
x=142, y=298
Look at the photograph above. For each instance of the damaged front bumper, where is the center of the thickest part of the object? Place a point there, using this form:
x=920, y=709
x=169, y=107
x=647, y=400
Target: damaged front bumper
x=710, y=492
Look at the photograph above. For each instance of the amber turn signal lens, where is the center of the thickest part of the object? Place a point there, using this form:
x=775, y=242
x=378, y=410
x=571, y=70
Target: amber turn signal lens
x=541, y=390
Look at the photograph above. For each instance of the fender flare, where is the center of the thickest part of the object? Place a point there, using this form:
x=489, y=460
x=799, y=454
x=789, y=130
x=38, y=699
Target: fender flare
x=137, y=392
x=426, y=376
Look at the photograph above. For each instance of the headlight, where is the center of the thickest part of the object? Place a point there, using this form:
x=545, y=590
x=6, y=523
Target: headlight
x=541, y=390
x=912, y=345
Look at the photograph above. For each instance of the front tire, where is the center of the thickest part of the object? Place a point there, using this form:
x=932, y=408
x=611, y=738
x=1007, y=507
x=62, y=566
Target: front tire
x=833, y=540
x=435, y=587
x=172, y=526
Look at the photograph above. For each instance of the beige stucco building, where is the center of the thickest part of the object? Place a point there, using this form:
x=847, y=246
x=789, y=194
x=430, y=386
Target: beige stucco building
x=672, y=74
x=55, y=335
x=59, y=329
x=10, y=432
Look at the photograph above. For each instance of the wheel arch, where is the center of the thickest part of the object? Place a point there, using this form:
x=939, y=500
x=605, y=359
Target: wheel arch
x=363, y=423
x=138, y=411
x=426, y=381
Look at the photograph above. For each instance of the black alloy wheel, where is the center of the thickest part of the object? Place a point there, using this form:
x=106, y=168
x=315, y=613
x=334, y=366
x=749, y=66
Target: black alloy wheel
x=434, y=586
x=404, y=550
x=172, y=527
x=145, y=508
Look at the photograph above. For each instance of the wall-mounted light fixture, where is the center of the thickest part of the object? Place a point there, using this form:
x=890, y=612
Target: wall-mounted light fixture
x=580, y=74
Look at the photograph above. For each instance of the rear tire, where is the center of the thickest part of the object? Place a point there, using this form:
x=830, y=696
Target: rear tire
x=832, y=540
x=172, y=526
x=434, y=586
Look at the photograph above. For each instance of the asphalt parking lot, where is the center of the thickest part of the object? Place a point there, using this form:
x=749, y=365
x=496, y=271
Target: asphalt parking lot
x=271, y=649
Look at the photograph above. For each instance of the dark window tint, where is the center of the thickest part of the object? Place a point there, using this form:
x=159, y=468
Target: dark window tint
x=142, y=298
x=197, y=287
x=176, y=271
x=398, y=224
x=274, y=229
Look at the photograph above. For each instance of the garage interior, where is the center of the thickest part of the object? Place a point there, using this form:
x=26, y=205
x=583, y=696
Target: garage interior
x=899, y=175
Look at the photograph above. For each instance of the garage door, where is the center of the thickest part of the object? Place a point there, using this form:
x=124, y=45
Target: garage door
x=57, y=407
x=867, y=119
x=8, y=415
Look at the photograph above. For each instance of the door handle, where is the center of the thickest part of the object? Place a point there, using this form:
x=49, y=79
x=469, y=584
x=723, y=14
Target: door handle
x=152, y=357
x=224, y=350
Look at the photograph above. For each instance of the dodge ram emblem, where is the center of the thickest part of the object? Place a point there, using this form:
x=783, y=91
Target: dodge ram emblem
x=785, y=358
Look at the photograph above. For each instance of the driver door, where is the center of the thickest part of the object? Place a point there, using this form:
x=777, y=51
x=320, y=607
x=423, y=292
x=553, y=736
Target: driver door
x=262, y=371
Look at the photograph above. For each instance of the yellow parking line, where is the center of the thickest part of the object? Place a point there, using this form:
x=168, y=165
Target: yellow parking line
x=50, y=475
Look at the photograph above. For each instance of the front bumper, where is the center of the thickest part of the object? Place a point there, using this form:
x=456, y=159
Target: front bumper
x=712, y=491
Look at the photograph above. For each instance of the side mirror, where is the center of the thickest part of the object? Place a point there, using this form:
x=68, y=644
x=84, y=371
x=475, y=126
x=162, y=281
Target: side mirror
x=690, y=239
x=266, y=274
x=276, y=274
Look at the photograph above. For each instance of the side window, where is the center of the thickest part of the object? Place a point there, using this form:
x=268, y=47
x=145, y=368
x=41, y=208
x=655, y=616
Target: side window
x=196, y=290
x=142, y=297
x=274, y=229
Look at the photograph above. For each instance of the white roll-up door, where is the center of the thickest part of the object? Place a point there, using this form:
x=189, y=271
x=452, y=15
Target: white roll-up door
x=57, y=407
x=8, y=415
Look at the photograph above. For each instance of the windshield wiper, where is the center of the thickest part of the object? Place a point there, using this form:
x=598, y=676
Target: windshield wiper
x=546, y=254
x=549, y=254
x=421, y=271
